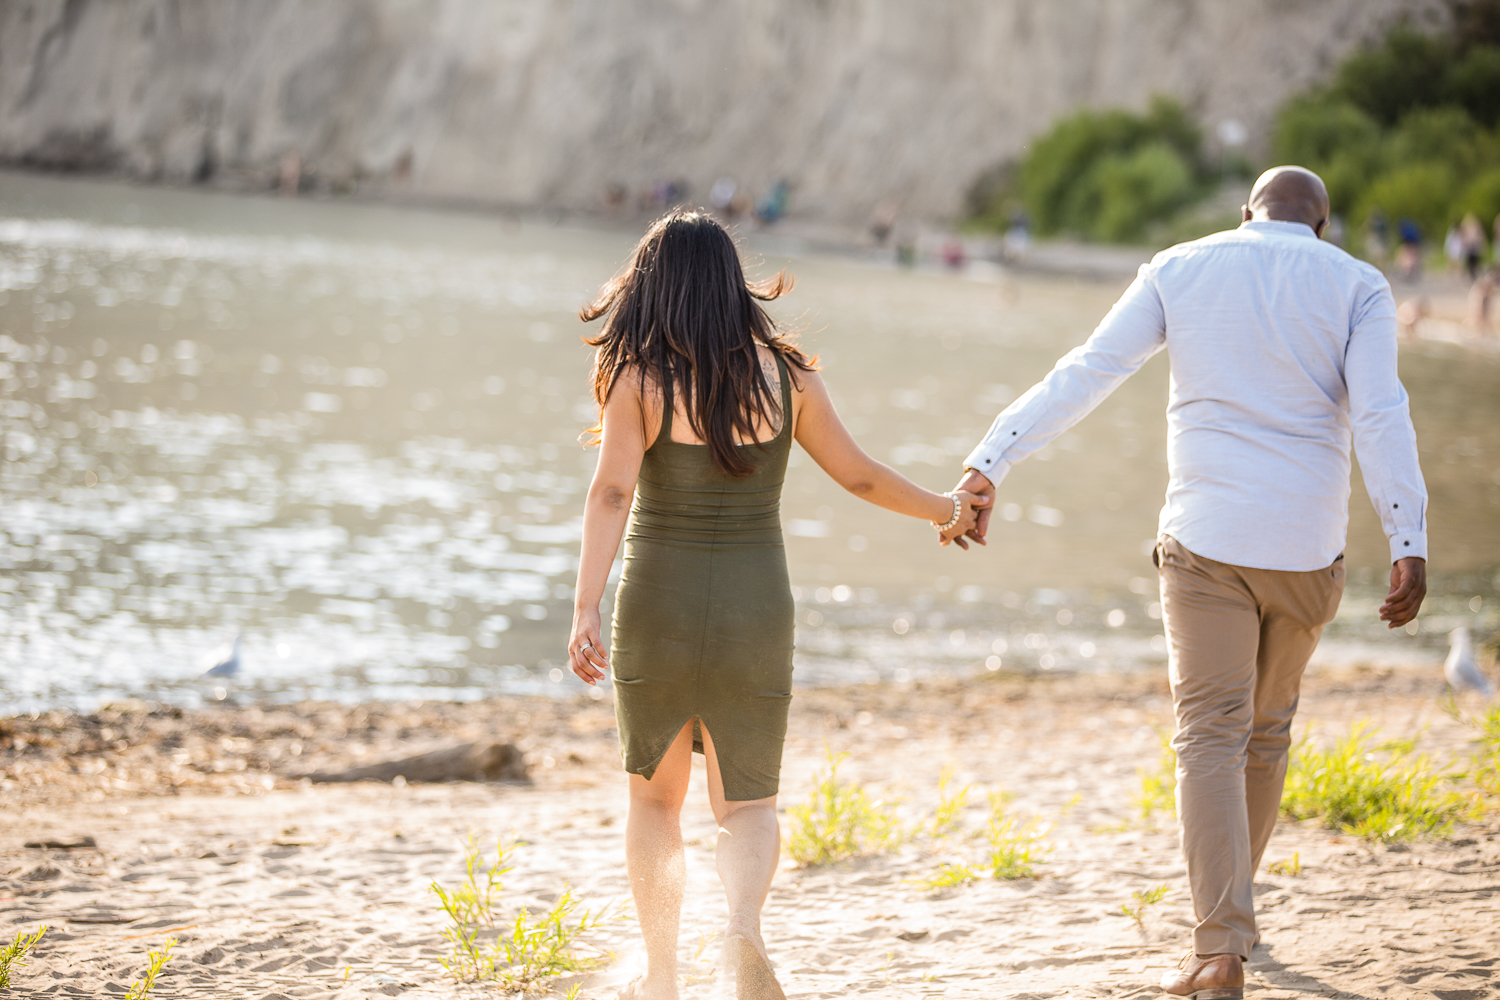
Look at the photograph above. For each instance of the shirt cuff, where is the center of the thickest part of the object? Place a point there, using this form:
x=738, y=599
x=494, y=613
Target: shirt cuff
x=989, y=465
x=1406, y=544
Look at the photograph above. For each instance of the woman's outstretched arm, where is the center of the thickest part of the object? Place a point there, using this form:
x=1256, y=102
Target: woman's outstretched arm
x=824, y=436
x=622, y=443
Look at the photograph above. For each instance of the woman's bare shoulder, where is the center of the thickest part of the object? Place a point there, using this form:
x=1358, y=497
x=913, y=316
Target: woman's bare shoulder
x=635, y=398
x=632, y=383
x=809, y=380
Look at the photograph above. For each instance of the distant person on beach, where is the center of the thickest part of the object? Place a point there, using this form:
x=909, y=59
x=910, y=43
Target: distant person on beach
x=883, y=220
x=773, y=204
x=1017, y=240
x=1377, y=238
x=1471, y=245
x=1409, y=254
x=1453, y=246
x=700, y=400
x=1336, y=233
x=1410, y=314
x=1481, y=295
x=1283, y=349
x=953, y=253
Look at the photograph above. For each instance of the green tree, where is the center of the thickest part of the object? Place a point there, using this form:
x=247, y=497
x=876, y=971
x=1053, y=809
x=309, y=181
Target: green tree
x=1317, y=128
x=1107, y=174
x=1422, y=192
x=1474, y=83
x=1444, y=134
x=1124, y=193
x=1482, y=197
x=1059, y=161
x=1409, y=126
x=1408, y=70
x=1335, y=138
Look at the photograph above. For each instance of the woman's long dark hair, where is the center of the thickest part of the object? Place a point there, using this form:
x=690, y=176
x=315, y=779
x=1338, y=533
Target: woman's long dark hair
x=683, y=313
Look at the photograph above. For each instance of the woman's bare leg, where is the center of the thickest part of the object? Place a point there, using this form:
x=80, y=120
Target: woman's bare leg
x=653, y=859
x=748, y=849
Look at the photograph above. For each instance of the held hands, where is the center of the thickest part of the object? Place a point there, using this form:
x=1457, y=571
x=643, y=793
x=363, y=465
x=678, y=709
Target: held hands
x=585, y=653
x=972, y=507
x=973, y=484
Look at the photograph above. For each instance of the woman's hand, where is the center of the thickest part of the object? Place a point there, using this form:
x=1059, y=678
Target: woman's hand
x=968, y=516
x=585, y=652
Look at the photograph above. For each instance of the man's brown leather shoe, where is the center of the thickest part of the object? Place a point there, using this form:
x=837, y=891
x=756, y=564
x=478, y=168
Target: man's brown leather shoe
x=1207, y=977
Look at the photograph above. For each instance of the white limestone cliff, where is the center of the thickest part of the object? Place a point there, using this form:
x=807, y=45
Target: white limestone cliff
x=548, y=103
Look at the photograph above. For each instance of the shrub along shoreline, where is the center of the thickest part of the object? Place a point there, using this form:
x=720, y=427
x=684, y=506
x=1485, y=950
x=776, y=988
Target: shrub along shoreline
x=1406, y=133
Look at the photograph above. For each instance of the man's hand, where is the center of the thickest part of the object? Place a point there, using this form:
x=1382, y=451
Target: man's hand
x=975, y=482
x=968, y=517
x=1408, y=587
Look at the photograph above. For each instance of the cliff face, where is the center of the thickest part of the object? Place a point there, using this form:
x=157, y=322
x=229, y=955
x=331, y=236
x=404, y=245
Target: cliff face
x=551, y=102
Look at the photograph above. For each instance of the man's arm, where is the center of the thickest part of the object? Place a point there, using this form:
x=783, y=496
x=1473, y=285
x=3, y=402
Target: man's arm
x=1386, y=444
x=1133, y=331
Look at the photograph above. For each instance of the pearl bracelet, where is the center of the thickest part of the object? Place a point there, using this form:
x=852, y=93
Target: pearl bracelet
x=958, y=510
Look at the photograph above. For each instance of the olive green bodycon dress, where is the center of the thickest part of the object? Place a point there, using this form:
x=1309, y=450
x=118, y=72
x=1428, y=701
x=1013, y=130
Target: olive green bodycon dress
x=703, y=619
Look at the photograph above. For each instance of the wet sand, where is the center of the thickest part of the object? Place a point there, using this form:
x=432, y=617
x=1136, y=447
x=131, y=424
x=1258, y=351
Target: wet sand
x=275, y=887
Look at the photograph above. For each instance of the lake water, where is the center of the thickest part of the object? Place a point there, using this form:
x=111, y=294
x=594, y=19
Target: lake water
x=349, y=433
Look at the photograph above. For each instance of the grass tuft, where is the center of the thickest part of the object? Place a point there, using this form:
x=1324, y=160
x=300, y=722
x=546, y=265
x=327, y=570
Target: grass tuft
x=13, y=955
x=702, y=969
x=951, y=875
x=1484, y=762
x=155, y=962
x=1291, y=866
x=528, y=950
x=950, y=807
x=1382, y=792
x=840, y=820
x=537, y=948
x=1141, y=902
x=1159, y=788
x=1016, y=847
x=470, y=909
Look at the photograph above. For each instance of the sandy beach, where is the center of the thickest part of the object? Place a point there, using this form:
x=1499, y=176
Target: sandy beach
x=277, y=887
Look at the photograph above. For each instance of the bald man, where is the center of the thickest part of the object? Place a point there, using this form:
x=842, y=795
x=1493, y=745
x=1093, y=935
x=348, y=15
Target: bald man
x=1283, y=350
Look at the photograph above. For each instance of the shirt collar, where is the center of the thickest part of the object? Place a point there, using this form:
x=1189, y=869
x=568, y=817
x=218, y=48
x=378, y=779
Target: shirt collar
x=1274, y=226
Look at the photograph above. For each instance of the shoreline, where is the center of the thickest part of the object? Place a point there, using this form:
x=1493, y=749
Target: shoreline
x=986, y=257
x=142, y=747
x=829, y=660
x=836, y=655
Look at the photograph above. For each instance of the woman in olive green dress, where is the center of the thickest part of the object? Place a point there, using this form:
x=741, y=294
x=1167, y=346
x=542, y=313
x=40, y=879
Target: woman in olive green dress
x=700, y=401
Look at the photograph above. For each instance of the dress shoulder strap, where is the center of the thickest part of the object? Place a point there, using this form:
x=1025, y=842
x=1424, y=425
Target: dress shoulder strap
x=786, y=392
x=667, y=407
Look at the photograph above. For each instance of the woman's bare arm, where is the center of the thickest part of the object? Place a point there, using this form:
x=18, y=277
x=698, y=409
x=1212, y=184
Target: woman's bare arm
x=824, y=436
x=622, y=443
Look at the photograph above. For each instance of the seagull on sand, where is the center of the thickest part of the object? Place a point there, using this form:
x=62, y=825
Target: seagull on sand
x=1461, y=669
x=229, y=666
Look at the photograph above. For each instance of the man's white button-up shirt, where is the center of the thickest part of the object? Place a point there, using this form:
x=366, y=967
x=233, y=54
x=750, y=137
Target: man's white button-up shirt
x=1282, y=347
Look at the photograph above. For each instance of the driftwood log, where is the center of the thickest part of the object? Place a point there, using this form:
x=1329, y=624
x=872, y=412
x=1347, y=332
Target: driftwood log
x=465, y=762
x=79, y=843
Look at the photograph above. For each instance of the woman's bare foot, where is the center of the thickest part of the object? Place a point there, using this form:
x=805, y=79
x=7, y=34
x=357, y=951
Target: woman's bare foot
x=746, y=958
x=640, y=989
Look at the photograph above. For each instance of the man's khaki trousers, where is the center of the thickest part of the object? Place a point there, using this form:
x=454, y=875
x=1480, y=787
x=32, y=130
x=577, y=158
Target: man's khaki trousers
x=1238, y=640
